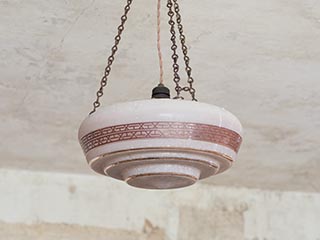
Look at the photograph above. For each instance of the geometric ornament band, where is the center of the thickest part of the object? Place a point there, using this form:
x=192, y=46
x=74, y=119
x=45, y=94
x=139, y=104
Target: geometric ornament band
x=164, y=129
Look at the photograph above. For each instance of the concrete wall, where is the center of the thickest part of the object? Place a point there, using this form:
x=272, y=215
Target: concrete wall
x=36, y=205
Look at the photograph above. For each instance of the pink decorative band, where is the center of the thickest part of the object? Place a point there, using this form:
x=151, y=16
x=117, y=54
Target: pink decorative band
x=149, y=130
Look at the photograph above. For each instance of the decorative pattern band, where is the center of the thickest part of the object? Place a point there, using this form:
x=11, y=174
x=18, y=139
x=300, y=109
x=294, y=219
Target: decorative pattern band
x=173, y=130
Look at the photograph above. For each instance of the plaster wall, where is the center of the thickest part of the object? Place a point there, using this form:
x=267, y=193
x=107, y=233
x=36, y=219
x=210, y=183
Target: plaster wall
x=38, y=205
x=258, y=59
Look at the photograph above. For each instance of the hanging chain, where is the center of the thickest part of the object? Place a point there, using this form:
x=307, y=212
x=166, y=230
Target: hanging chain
x=184, y=49
x=114, y=49
x=174, y=9
x=175, y=66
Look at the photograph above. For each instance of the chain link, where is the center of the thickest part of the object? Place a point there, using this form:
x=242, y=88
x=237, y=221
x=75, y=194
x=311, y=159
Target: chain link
x=184, y=49
x=175, y=66
x=174, y=9
x=114, y=49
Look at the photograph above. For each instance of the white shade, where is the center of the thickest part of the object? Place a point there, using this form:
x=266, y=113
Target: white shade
x=160, y=143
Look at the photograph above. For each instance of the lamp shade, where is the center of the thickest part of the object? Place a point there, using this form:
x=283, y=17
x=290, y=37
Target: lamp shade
x=160, y=143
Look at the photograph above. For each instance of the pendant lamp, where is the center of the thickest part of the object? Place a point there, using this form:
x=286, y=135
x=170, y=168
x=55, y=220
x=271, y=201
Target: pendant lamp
x=162, y=142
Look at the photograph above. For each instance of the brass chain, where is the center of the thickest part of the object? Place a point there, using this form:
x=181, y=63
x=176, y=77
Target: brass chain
x=174, y=9
x=114, y=49
x=184, y=49
x=175, y=66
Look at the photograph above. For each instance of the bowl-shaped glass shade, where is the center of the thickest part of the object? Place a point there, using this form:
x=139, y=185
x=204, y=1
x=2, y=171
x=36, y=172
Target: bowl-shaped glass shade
x=160, y=143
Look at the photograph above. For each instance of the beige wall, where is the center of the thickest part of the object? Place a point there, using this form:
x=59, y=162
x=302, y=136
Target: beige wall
x=259, y=59
x=63, y=206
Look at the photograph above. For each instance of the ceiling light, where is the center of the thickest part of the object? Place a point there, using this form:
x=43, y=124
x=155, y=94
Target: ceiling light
x=160, y=143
